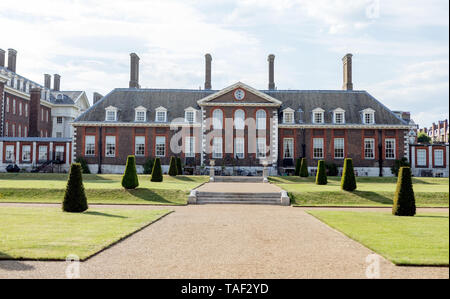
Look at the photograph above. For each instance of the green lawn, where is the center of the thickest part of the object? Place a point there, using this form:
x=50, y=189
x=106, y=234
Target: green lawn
x=49, y=233
x=373, y=191
x=421, y=240
x=100, y=189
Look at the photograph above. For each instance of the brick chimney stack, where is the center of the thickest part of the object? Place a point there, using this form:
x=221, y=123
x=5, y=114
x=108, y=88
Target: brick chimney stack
x=271, y=60
x=35, y=103
x=12, y=56
x=2, y=58
x=47, y=81
x=56, y=82
x=348, y=85
x=97, y=97
x=134, y=71
x=208, y=60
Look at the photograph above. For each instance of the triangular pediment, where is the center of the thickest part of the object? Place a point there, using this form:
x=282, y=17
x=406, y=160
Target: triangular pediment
x=228, y=97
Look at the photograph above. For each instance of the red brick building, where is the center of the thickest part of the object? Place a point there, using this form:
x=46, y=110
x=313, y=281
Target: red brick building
x=240, y=127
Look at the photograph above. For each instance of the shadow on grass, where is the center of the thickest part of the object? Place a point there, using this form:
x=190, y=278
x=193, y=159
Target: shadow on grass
x=149, y=195
x=431, y=216
x=96, y=213
x=373, y=196
x=9, y=264
x=183, y=178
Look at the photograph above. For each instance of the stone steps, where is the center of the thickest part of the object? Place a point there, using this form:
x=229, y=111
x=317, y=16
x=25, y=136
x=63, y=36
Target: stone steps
x=272, y=198
x=238, y=179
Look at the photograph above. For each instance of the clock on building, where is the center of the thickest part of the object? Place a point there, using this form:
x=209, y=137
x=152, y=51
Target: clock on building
x=239, y=94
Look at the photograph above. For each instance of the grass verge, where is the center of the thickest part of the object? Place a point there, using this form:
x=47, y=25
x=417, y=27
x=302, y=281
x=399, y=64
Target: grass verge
x=422, y=240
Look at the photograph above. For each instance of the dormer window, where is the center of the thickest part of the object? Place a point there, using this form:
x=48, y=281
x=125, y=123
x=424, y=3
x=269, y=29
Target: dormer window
x=161, y=115
x=368, y=116
x=111, y=113
x=318, y=116
x=288, y=116
x=339, y=116
x=140, y=114
x=189, y=115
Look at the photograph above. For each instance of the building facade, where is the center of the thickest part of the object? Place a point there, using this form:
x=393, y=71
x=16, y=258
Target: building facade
x=438, y=132
x=240, y=127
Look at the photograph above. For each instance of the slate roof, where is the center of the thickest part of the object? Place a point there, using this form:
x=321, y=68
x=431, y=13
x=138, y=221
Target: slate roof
x=177, y=100
x=67, y=98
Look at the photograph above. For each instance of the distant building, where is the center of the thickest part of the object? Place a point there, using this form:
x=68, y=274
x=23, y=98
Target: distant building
x=438, y=132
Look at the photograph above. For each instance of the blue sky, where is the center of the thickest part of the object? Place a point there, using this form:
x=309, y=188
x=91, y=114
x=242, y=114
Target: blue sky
x=400, y=48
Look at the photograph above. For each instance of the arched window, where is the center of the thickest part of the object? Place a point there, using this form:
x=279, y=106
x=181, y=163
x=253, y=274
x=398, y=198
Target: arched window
x=261, y=120
x=239, y=119
x=217, y=119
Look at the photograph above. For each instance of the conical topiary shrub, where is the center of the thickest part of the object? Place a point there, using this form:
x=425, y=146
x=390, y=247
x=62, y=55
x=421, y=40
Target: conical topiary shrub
x=157, y=171
x=321, y=177
x=148, y=166
x=297, y=167
x=75, y=200
x=173, y=167
x=404, y=200
x=179, y=166
x=130, y=179
x=304, y=168
x=348, y=180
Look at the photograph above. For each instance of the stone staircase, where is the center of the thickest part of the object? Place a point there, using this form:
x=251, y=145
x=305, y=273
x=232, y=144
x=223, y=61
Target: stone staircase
x=266, y=198
x=238, y=179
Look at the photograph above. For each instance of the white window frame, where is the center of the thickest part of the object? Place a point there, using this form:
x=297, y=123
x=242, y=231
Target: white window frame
x=110, y=146
x=140, y=114
x=189, y=147
x=441, y=158
x=10, y=153
x=7, y=104
x=318, y=112
x=57, y=120
x=160, y=147
x=239, y=147
x=261, y=119
x=336, y=112
x=111, y=113
x=217, y=148
x=339, y=144
x=188, y=112
x=288, y=116
x=14, y=106
x=160, y=111
x=368, y=114
x=26, y=110
x=217, y=120
x=288, y=143
x=20, y=108
x=392, y=148
x=421, y=159
x=139, y=146
x=19, y=130
x=26, y=154
x=13, y=129
x=371, y=142
x=25, y=131
x=58, y=150
x=318, y=148
x=261, y=148
x=239, y=120
x=41, y=153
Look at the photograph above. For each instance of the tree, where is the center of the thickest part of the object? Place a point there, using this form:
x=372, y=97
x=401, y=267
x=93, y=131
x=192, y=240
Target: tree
x=403, y=162
x=179, y=166
x=298, y=163
x=148, y=166
x=157, y=171
x=423, y=138
x=130, y=179
x=84, y=166
x=321, y=177
x=348, y=181
x=404, y=200
x=173, y=167
x=304, y=168
x=75, y=200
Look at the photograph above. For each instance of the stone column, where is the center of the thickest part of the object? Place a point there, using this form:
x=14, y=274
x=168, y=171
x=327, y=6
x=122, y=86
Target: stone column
x=265, y=171
x=33, y=162
x=1, y=152
x=212, y=163
x=67, y=153
x=17, y=152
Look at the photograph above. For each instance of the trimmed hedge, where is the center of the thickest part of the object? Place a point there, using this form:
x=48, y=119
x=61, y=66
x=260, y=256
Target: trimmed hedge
x=404, y=200
x=297, y=167
x=157, y=175
x=403, y=162
x=173, y=167
x=348, y=181
x=148, y=166
x=321, y=177
x=130, y=179
x=179, y=166
x=75, y=200
x=304, y=168
x=84, y=166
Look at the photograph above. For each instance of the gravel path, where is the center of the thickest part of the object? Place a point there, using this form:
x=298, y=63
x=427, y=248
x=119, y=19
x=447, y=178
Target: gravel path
x=228, y=241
